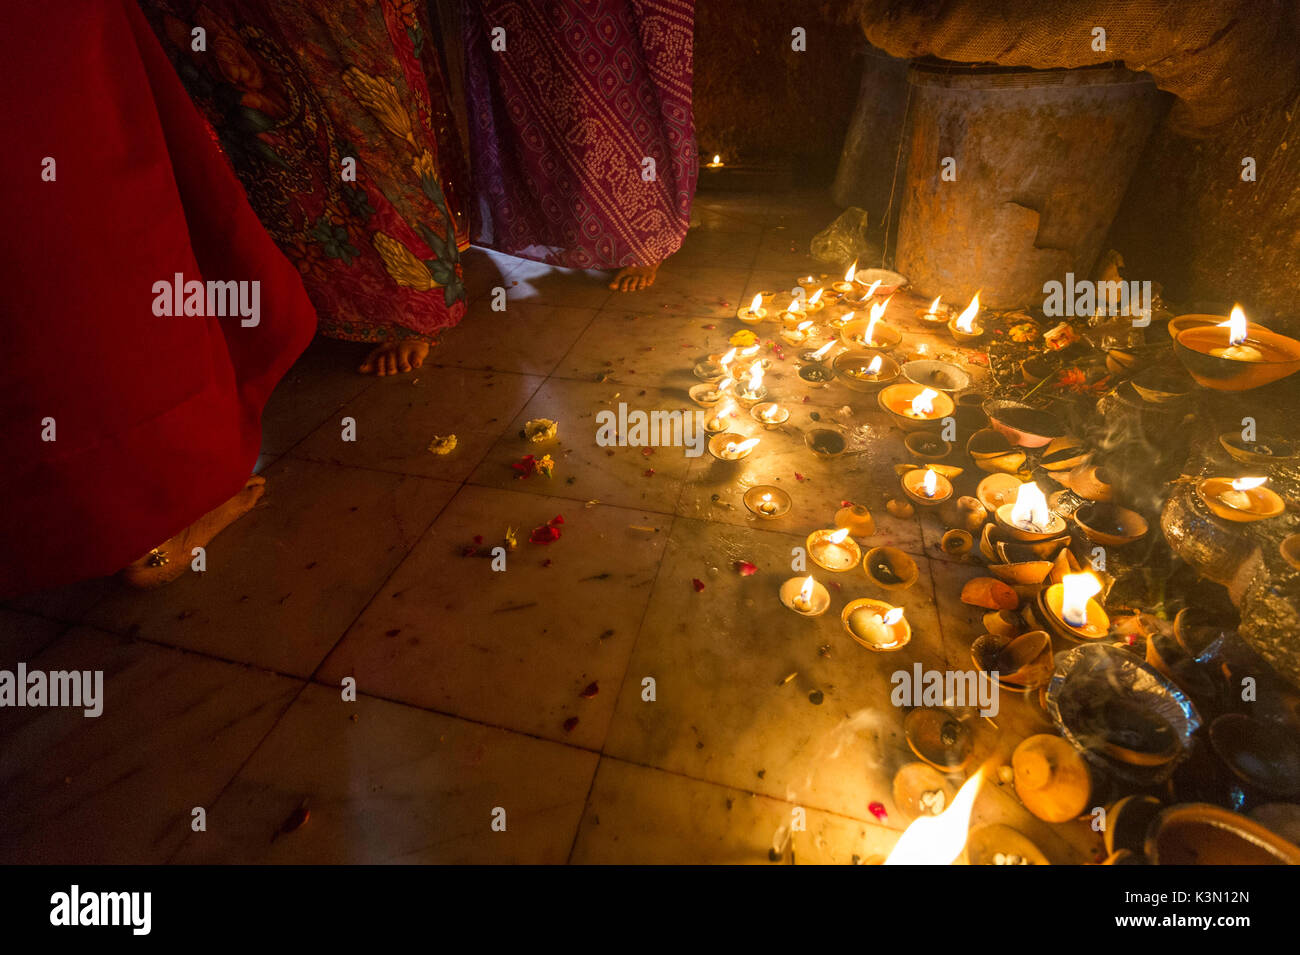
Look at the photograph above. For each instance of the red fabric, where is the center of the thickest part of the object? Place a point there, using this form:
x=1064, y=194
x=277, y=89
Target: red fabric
x=158, y=419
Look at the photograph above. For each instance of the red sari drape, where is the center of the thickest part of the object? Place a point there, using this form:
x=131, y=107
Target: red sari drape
x=155, y=420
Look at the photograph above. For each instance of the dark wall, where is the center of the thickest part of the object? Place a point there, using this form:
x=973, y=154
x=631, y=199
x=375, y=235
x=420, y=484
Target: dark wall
x=758, y=101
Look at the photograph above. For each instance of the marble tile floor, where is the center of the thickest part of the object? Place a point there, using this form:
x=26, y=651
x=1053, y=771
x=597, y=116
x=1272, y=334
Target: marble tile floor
x=622, y=694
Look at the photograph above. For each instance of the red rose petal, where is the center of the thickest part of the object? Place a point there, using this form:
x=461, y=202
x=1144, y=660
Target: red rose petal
x=878, y=810
x=557, y=519
x=570, y=723
x=545, y=534
x=592, y=689
x=697, y=583
x=745, y=568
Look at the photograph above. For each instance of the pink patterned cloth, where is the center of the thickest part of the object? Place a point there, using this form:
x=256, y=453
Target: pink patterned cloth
x=564, y=124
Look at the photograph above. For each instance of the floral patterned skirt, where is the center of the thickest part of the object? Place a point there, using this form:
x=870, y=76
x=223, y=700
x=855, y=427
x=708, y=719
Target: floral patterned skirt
x=334, y=114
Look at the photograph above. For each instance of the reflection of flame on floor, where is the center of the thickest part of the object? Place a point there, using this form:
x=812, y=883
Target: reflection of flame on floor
x=938, y=840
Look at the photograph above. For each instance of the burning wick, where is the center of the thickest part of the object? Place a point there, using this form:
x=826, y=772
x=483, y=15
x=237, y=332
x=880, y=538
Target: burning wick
x=717, y=161
x=822, y=352
x=803, y=601
x=938, y=840
x=847, y=284
x=1237, y=497
x=853, y=270
x=720, y=411
x=740, y=450
x=1237, y=349
x=1078, y=590
x=873, y=369
x=815, y=298
x=719, y=389
x=1030, y=512
x=768, y=506
x=929, y=483
x=771, y=414
x=877, y=311
x=879, y=629
x=755, y=309
x=923, y=404
x=755, y=384
x=933, y=310
x=966, y=320
x=727, y=359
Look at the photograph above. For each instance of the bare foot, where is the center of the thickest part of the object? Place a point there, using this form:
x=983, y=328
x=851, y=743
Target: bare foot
x=172, y=558
x=634, y=277
x=394, y=357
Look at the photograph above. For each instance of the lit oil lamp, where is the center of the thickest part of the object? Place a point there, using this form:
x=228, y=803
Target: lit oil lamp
x=846, y=286
x=754, y=312
x=857, y=518
x=770, y=414
x=717, y=423
x=809, y=282
x=753, y=390
x=865, y=292
x=805, y=596
x=1236, y=355
x=797, y=335
x=866, y=370
x=1240, y=499
x=834, y=550
x=873, y=333
x=815, y=302
x=792, y=314
x=706, y=395
x=926, y=487
x=935, y=316
x=1071, y=610
x=875, y=624
x=767, y=500
x=715, y=367
x=915, y=406
x=729, y=446
x=940, y=839
x=1028, y=518
x=966, y=328
x=819, y=355
x=716, y=164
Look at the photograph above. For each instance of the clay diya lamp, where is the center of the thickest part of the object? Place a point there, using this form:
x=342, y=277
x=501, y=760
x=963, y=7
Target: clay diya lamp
x=992, y=452
x=1069, y=610
x=1201, y=834
x=1110, y=524
x=926, y=487
x=939, y=375
x=1004, y=623
x=921, y=790
x=889, y=568
x=968, y=513
x=1028, y=518
x=1022, y=425
x=915, y=407
x=1091, y=482
x=870, y=333
x=1064, y=563
x=1263, y=758
x=1024, y=573
x=936, y=316
x=816, y=375
x=1236, y=355
x=820, y=355
x=793, y=315
x=996, y=490
x=797, y=335
x=857, y=519
x=1127, y=822
x=1240, y=499
x=1120, y=360
x=927, y=446
x=956, y=542
x=1051, y=778
x=938, y=738
x=718, y=420
x=1016, y=551
x=715, y=367
x=1290, y=550
x=876, y=624
x=996, y=844
x=750, y=389
x=754, y=312
x=845, y=286
x=1160, y=385
x=1064, y=454
x=864, y=370
x=730, y=446
x=706, y=395
x=1023, y=662
x=989, y=593
x=809, y=283
x=879, y=281
x=1183, y=322
x=769, y=414
x=815, y=302
x=1268, y=449
x=767, y=501
x=833, y=550
x=825, y=443
x=966, y=328
x=805, y=596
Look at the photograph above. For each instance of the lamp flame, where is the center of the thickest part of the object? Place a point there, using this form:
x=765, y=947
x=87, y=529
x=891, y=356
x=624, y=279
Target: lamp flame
x=1030, y=510
x=1078, y=590
x=1236, y=325
x=853, y=270
x=1248, y=484
x=871, y=289
x=929, y=483
x=755, y=377
x=728, y=358
x=794, y=307
x=938, y=840
x=874, y=367
x=821, y=353
x=724, y=384
x=838, y=536
x=804, y=326
x=966, y=319
x=923, y=404
x=742, y=447
x=934, y=306
x=717, y=160
x=894, y=615
x=806, y=591
x=815, y=297
x=756, y=303
x=749, y=352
